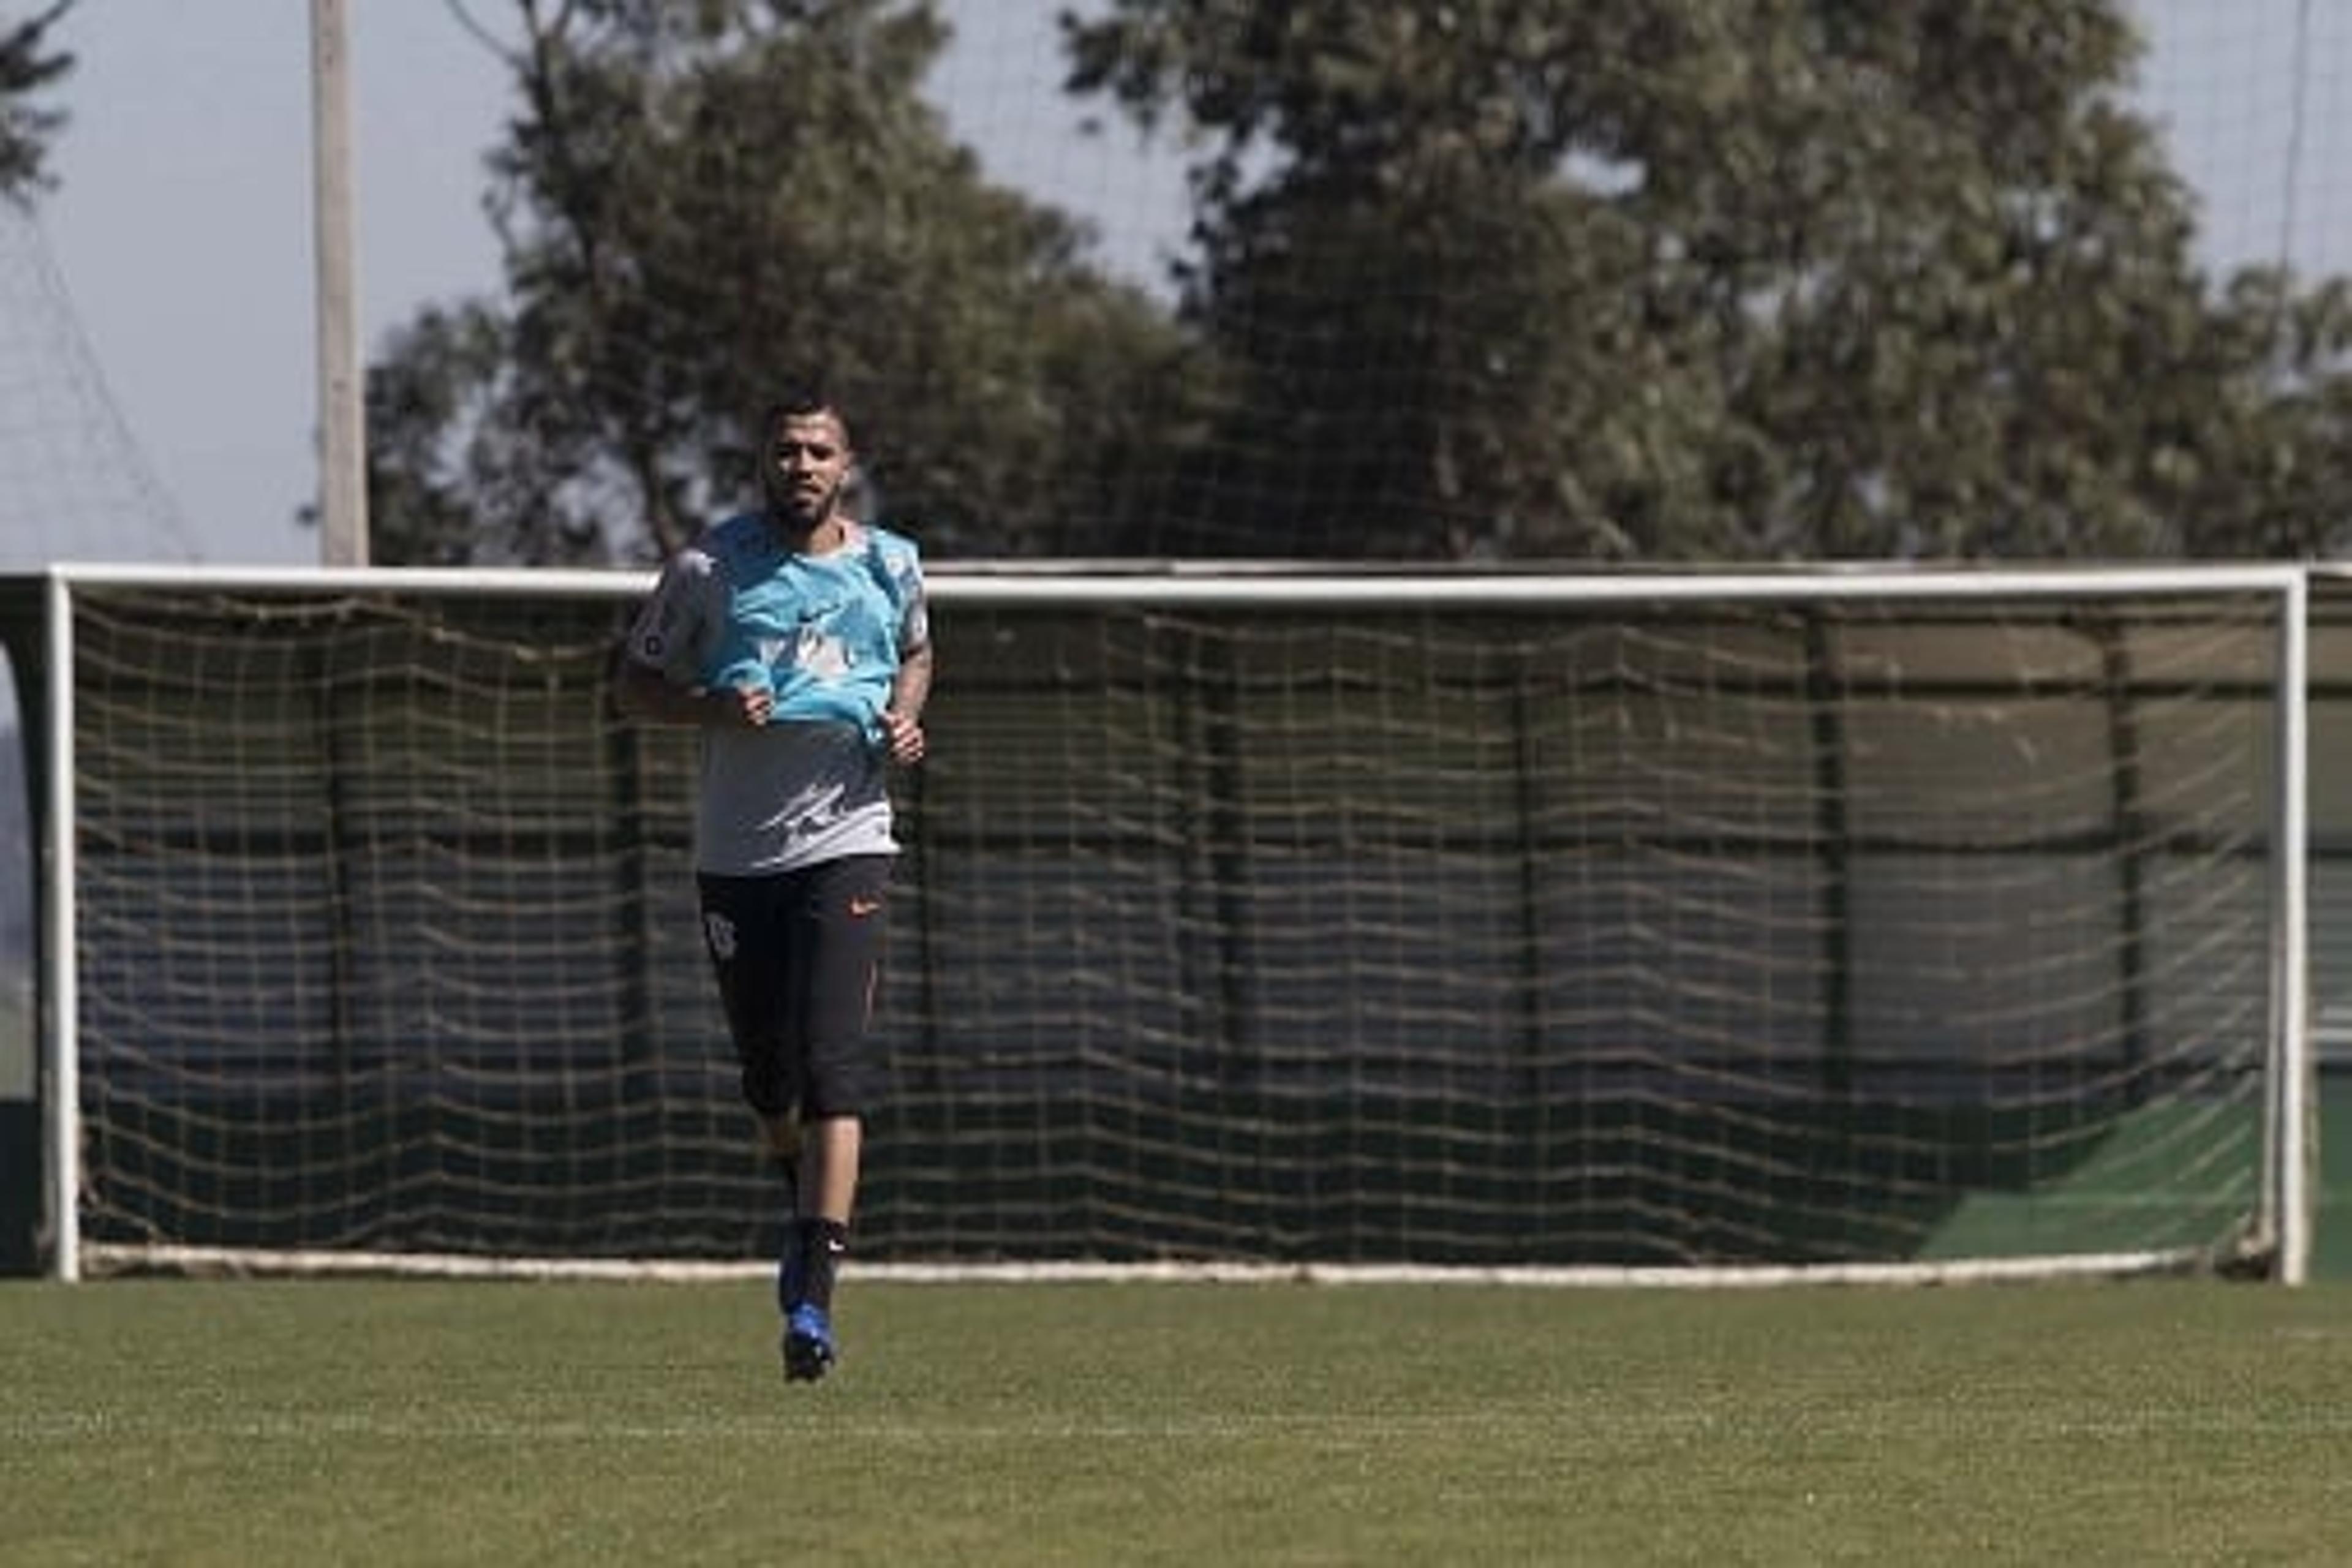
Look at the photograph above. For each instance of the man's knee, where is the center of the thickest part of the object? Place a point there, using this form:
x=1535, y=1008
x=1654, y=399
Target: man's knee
x=781, y=1135
x=840, y=1082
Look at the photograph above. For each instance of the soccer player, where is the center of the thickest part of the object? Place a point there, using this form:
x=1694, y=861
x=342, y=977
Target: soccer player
x=794, y=639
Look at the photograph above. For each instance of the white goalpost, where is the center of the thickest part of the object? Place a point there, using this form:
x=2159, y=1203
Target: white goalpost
x=1868, y=924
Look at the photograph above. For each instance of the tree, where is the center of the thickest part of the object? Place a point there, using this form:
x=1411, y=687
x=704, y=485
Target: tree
x=705, y=201
x=1713, y=279
x=25, y=128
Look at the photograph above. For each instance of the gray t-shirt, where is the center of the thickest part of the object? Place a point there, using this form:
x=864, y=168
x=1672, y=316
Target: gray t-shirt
x=791, y=794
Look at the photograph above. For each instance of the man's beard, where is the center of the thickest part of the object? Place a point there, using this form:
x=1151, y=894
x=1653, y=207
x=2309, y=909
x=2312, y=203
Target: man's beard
x=803, y=507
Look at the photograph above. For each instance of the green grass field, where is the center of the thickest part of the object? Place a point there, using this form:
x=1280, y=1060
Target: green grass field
x=378, y=1422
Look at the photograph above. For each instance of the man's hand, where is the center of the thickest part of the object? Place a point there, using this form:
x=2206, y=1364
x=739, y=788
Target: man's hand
x=904, y=735
x=747, y=707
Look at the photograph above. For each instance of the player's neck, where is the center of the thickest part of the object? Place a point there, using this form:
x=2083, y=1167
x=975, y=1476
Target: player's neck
x=820, y=536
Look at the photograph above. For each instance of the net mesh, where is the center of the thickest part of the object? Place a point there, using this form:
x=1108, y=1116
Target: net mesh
x=2252, y=110
x=1823, y=931
x=72, y=484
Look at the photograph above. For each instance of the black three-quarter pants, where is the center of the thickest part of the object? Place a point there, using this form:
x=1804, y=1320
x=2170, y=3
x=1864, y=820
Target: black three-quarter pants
x=796, y=955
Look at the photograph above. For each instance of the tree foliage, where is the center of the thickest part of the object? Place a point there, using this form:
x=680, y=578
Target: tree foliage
x=1560, y=279
x=1708, y=279
x=706, y=201
x=27, y=64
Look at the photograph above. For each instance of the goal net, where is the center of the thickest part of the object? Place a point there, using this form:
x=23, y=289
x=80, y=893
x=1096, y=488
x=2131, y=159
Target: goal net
x=1701, y=926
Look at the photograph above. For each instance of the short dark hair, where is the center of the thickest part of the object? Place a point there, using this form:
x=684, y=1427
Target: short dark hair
x=803, y=402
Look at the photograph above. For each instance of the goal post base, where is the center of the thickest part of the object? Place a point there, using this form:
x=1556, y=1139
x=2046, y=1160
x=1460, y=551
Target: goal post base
x=216, y=1263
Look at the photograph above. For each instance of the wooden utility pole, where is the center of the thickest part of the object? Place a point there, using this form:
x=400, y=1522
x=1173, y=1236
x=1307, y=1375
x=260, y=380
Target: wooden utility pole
x=342, y=418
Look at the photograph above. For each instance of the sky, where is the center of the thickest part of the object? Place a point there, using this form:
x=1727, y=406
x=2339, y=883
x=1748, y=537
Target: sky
x=180, y=232
x=181, y=226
